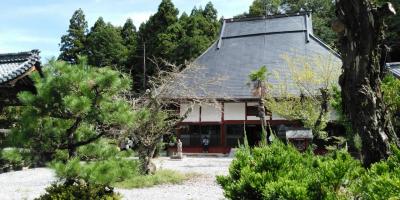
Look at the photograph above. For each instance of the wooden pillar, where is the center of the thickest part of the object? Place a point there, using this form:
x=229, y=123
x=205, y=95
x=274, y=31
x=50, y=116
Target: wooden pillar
x=222, y=129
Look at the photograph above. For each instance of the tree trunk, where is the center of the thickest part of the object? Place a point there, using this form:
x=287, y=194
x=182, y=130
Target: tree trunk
x=361, y=41
x=145, y=155
x=261, y=112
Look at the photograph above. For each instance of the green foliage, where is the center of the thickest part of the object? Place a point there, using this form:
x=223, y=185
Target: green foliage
x=73, y=43
x=263, y=7
x=152, y=123
x=100, y=162
x=79, y=190
x=70, y=106
x=391, y=90
x=14, y=158
x=278, y=171
x=130, y=40
x=94, y=169
x=105, y=46
x=200, y=30
x=165, y=36
x=281, y=172
x=391, y=96
x=102, y=149
x=160, y=177
x=103, y=172
x=382, y=181
x=259, y=75
x=313, y=78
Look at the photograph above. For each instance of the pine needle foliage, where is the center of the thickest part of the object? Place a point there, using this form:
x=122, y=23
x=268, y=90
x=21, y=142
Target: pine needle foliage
x=74, y=105
x=280, y=171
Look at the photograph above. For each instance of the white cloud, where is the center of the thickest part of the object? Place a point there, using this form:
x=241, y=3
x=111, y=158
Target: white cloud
x=139, y=17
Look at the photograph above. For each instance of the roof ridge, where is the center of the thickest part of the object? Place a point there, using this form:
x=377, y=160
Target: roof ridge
x=302, y=13
x=20, y=56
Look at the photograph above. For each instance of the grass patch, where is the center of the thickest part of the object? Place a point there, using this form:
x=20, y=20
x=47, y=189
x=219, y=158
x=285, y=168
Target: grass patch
x=160, y=177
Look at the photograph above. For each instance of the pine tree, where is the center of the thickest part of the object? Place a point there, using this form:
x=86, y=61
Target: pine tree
x=73, y=43
x=105, y=46
x=73, y=106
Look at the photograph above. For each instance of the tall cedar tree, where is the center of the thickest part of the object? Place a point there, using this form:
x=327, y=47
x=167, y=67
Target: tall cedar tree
x=153, y=33
x=73, y=43
x=129, y=37
x=361, y=30
x=201, y=29
x=73, y=106
x=173, y=39
x=105, y=46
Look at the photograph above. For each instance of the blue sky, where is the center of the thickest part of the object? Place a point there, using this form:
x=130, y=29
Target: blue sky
x=39, y=24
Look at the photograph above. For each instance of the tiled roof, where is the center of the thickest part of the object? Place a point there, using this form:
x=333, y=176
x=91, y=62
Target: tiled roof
x=244, y=46
x=394, y=68
x=13, y=65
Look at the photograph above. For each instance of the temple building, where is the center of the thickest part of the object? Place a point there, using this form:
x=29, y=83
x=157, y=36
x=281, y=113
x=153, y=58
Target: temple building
x=244, y=45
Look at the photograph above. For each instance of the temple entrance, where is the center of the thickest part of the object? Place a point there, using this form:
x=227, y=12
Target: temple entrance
x=253, y=133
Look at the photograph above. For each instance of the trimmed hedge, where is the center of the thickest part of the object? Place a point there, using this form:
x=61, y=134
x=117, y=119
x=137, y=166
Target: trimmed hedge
x=279, y=171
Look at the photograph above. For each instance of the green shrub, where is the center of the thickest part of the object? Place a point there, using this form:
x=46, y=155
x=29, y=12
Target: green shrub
x=382, y=181
x=15, y=158
x=103, y=172
x=278, y=171
x=79, y=190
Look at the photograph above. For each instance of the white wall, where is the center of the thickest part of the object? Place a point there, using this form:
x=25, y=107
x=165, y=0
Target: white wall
x=193, y=116
x=234, y=111
x=210, y=113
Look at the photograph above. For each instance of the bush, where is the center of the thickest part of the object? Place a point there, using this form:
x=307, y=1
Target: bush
x=382, y=181
x=14, y=158
x=79, y=190
x=100, y=172
x=281, y=172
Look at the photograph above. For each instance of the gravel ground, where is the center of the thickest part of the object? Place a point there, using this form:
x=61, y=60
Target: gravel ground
x=26, y=184
x=29, y=184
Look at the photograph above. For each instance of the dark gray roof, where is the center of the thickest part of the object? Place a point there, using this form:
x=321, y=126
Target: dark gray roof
x=244, y=46
x=394, y=68
x=13, y=65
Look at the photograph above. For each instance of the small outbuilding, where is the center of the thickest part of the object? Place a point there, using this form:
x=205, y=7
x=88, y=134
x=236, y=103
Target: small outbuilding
x=15, y=69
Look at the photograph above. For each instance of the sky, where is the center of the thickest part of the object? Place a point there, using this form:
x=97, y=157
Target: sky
x=39, y=24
